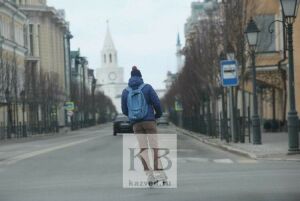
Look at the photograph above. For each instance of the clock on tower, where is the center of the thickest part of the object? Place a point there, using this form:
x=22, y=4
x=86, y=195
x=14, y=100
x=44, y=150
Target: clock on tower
x=112, y=76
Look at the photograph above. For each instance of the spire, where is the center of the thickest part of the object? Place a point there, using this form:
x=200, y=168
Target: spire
x=109, y=52
x=178, y=40
x=108, y=42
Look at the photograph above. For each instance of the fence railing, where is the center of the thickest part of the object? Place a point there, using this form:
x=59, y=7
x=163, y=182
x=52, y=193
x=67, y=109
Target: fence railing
x=22, y=130
x=215, y=127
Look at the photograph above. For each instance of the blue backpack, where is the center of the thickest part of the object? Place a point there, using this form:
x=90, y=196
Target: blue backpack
x=136, y=103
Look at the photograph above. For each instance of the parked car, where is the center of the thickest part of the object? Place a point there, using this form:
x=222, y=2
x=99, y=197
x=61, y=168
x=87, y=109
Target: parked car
x=122, y=125
x=163, y=120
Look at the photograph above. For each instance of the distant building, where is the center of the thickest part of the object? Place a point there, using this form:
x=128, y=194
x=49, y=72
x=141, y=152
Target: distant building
x=179, y=54
x=198, y=13
x=110, y=77
x=80, y=85
x=160, y=93
x=171, y=77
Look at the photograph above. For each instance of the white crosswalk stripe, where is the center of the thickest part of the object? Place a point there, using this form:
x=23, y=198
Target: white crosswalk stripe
x=217, y=161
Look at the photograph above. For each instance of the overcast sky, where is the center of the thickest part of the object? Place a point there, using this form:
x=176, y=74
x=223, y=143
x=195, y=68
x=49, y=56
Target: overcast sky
x=144, y=32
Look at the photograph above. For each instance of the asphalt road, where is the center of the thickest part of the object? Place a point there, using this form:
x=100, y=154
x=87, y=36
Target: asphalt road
x=87, y=166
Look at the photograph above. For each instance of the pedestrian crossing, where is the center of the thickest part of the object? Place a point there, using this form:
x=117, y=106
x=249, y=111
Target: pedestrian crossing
x=216, y=161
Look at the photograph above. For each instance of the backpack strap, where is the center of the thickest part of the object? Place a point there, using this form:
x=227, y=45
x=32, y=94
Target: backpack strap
x=128, y=89
x=141, y=86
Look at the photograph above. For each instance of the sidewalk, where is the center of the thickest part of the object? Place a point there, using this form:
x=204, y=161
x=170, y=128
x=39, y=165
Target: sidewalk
x=274, y=146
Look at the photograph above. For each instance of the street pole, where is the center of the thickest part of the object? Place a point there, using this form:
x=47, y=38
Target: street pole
x=233, y=116
x=225, y=121
x=180, y=122
x=252, y=33
x=293, y=120
x=233, y=105
x=255, y=118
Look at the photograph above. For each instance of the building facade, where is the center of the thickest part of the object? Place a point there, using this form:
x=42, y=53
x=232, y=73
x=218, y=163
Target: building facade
x=12, y=64
x=46, y=61
x=272, y=61
x=80, y=86
x=110, y=77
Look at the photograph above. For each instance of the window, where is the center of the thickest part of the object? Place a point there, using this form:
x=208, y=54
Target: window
x=12, y=30
x=31, y=38
x=1, y=24
x=110, y=58
x=38, y=36
x=266, y=41
x=25, y=36
x=104, y=58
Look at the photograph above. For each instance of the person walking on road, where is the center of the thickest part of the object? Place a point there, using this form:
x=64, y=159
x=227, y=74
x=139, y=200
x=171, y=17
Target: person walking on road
x=142, y=106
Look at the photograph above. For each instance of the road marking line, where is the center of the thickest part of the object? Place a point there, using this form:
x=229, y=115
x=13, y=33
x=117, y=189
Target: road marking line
x=40, y=152
x=225, y=161
x=247, y=161
x=197, y=160
x=190, y=159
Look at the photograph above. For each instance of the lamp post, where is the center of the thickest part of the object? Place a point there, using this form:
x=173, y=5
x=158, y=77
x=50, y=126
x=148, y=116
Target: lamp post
x=251, y=33
x=224, y=134
x=290, y=10
x=22, y=95
x=93, y=100
x=9, y=117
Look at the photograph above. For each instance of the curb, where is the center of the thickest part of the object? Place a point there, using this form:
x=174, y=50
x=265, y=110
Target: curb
x=231, y=149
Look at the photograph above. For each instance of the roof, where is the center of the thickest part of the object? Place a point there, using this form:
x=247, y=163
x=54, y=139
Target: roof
x=108, y=42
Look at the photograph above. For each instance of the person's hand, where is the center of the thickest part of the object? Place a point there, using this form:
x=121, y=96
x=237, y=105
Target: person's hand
x=157, y=116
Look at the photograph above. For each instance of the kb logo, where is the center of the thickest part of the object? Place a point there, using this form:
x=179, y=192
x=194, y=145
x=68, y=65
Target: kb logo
x=150, y=161
x=157, y=164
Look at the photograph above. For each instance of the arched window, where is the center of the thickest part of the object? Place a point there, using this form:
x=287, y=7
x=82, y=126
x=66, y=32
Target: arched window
x=104, y=56
x=110, y=58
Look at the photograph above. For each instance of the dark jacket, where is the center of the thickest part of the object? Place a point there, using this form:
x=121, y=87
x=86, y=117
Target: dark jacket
x=150, y=96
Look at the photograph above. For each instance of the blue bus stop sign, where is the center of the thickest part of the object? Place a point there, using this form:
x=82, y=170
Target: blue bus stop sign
x=229, y=73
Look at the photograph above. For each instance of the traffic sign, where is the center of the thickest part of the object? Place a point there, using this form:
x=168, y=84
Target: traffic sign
x=69, y=106
x=70, y=113
x=178, y=106
x=229, y=74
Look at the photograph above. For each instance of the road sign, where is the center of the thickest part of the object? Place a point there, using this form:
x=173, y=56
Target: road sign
x=229, y=73
x=69, y=106
x=178, y=106
x=70, y=113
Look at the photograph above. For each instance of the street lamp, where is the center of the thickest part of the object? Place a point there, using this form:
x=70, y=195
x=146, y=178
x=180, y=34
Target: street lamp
x=94, y=81
x=224, y=133
x=9, y=122
x=252, y=33
x=22, y=95
x=290, y=10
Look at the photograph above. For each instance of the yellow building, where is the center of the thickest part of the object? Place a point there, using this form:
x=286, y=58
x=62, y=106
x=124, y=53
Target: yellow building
x=297, y=60
x=46, y=64
x=12, y=66
x=272, y=59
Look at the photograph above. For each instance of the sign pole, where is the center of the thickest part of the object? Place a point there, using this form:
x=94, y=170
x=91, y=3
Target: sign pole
x=229, y=76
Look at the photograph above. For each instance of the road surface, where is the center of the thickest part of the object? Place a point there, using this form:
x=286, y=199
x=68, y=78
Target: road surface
x=87, y=166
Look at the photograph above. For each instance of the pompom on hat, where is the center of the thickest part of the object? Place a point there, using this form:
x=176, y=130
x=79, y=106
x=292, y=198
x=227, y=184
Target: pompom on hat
x=135, y=72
